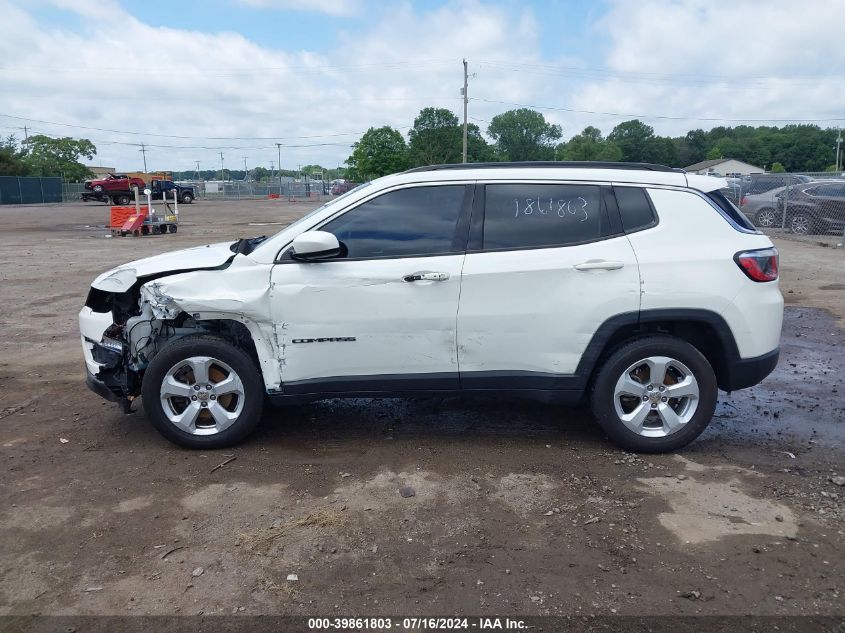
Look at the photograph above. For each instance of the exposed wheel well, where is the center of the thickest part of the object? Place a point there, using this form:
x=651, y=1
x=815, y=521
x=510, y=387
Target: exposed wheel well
x=707, y=338
x=232, y=331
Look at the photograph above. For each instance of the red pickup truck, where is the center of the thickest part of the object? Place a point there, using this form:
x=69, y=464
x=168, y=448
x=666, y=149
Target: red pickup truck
x=115, y=182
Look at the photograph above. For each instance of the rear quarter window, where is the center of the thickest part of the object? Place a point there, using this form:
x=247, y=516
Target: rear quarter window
x=635, y=208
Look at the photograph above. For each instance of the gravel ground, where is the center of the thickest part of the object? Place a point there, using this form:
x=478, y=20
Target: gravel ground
x=423, y=506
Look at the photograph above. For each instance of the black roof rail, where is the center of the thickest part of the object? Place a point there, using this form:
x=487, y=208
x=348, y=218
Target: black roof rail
x=558, y=164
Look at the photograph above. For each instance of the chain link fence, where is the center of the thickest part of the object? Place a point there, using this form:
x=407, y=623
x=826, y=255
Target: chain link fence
x=289, y=189
x=29, y=190
x=800, y=204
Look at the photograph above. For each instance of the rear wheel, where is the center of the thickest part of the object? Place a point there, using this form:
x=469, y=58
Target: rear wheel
x=802, y=223
x=187, y=198
x=172, y=228
x=203, y=392
x=654, y=394
x=122, y=200
x=766, y=218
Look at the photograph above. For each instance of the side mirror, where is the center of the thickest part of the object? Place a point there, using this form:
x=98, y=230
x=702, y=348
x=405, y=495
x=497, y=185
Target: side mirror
x=315, y=245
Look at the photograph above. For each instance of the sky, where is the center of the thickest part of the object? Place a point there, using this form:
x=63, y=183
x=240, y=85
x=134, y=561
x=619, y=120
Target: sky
x=194, y=79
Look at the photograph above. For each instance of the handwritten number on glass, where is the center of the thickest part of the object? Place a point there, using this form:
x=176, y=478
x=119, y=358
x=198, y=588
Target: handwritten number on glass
x=562, y=207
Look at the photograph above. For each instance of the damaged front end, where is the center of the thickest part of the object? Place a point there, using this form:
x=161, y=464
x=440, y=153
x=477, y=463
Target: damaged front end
x=128, y=319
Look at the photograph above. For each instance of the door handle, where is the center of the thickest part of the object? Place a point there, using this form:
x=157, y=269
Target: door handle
x=426, y=275
x=599, y=264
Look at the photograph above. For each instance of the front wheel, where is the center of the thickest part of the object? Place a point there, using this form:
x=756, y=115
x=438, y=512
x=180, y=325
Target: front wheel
x=203, y=392
x=654, y=394
x=187, y=198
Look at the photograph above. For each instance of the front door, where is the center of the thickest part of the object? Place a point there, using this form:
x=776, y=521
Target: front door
x=383, y=315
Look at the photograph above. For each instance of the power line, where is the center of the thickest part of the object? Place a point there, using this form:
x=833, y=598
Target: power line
x=656, y=116
x=177, y=136
x=593, y=72
x=215, y=72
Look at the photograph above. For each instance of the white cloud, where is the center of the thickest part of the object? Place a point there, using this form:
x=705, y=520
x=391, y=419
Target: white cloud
x=328, y=7
x=659, y=57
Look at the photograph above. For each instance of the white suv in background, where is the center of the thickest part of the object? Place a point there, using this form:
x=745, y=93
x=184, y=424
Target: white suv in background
x=638, y=286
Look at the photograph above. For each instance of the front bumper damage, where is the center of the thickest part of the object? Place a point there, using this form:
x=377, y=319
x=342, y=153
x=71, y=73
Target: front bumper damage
x=105, y=366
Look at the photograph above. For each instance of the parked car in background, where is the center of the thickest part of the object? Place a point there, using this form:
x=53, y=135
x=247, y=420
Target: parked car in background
x=818, y=207
x=761, y=208
x=761, y=183
x=340, y=188
x=114, y=182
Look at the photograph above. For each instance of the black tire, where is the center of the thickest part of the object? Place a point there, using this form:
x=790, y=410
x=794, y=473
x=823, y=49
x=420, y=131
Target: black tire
x=123, y=200
x=602, y=396
x=217, y=348
x=98, y=188
x=801, y=223
x=766, y=217
x=172, y=228
x=187, y=198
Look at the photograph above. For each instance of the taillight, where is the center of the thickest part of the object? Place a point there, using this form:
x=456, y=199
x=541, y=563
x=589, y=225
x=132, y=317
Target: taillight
x=759, y=265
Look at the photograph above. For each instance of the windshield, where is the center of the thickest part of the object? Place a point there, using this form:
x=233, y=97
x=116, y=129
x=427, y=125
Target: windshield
x=331, y=203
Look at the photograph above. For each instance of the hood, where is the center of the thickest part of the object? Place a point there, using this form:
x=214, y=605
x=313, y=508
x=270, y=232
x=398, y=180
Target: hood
x=122, y=278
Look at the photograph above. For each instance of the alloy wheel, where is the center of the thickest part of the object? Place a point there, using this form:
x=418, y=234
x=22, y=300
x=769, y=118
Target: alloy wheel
x=656, y=396
x=202, y=395
x=766, y=218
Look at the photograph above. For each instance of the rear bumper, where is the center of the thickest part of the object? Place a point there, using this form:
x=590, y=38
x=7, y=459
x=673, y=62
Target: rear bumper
x=748, y=372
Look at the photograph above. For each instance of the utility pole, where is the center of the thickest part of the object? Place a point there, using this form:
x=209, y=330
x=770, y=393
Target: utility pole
x=279, y=148
x=197, y=172
x=25, y=135
x=464, y=93
x=246, y=173
x=838, y=143
x=222, y=173
x=143, y=151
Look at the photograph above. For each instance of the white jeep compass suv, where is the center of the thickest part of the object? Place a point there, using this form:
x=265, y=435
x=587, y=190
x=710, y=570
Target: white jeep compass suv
x=639, y=287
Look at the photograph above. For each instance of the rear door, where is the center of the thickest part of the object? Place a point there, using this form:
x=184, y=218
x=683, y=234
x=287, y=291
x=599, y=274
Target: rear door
x=547, y=264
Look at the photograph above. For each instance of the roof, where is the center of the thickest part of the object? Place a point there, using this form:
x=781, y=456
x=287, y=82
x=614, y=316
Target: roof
x=707, y=164
x=559, y=164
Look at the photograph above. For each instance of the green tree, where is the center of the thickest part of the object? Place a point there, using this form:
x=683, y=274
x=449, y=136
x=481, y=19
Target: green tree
x=12, y=159
x=632, y=138
x=49, y=156
x=379, y=152
x=436, y=138
x=523, y=134
x=260, y=173
x=691, y=148
x=478, y=149
x=589, y=145
x=778, y=168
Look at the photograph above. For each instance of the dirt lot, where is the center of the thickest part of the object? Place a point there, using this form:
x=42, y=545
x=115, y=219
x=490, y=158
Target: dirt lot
x=519, y=508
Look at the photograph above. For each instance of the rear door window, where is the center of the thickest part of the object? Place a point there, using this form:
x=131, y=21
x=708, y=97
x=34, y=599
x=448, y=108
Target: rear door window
x=541, y=215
